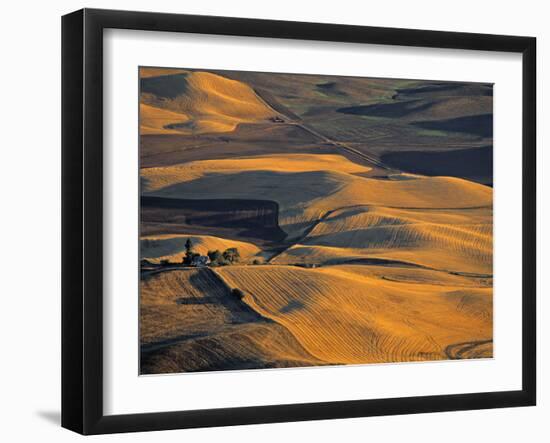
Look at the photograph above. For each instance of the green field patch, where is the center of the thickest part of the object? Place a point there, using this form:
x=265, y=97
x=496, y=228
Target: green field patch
x=432, y=133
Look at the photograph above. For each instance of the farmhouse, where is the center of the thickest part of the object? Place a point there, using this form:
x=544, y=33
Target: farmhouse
x=200, y=261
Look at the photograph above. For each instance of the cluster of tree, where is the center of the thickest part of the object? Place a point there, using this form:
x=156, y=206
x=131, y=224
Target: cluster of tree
x=217, y=258
x=228, y=257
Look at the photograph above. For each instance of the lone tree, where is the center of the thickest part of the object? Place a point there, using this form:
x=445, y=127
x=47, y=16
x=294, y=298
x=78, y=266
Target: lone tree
x=232, y=255
x=188, y=245
x=189, y=254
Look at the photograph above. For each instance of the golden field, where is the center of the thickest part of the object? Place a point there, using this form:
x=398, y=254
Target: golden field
x=209, y=329
x=210, y=104
x=343, y=260
x=342, y=314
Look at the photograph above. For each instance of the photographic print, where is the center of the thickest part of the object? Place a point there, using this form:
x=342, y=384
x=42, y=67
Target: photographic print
x=292, y=220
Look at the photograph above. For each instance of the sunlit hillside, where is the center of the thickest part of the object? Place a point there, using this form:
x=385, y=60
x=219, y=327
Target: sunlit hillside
x=342, y=315
x=198, y=102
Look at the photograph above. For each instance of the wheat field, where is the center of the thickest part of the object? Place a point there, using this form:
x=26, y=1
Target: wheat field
x=341, y=257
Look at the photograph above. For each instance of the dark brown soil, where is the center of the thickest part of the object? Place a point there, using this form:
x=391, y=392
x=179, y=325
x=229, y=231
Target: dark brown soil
x=246, y=140
x=480, y=125
x=474, y=164
x=255, y=220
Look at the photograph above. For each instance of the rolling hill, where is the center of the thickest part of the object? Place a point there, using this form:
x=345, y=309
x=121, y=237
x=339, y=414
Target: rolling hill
x=364, y=228
x=344, y=315
x=198, y=103
x=190, y=322
x=455, y=240
x=325, y=183
x=156, y=120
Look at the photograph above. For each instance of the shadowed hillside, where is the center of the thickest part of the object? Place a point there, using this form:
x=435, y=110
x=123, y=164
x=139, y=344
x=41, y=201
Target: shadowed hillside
x=475, y=164
x=190, y=322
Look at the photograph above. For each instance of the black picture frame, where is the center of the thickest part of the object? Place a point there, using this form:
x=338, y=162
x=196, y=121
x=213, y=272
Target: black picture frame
x=82, y=218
